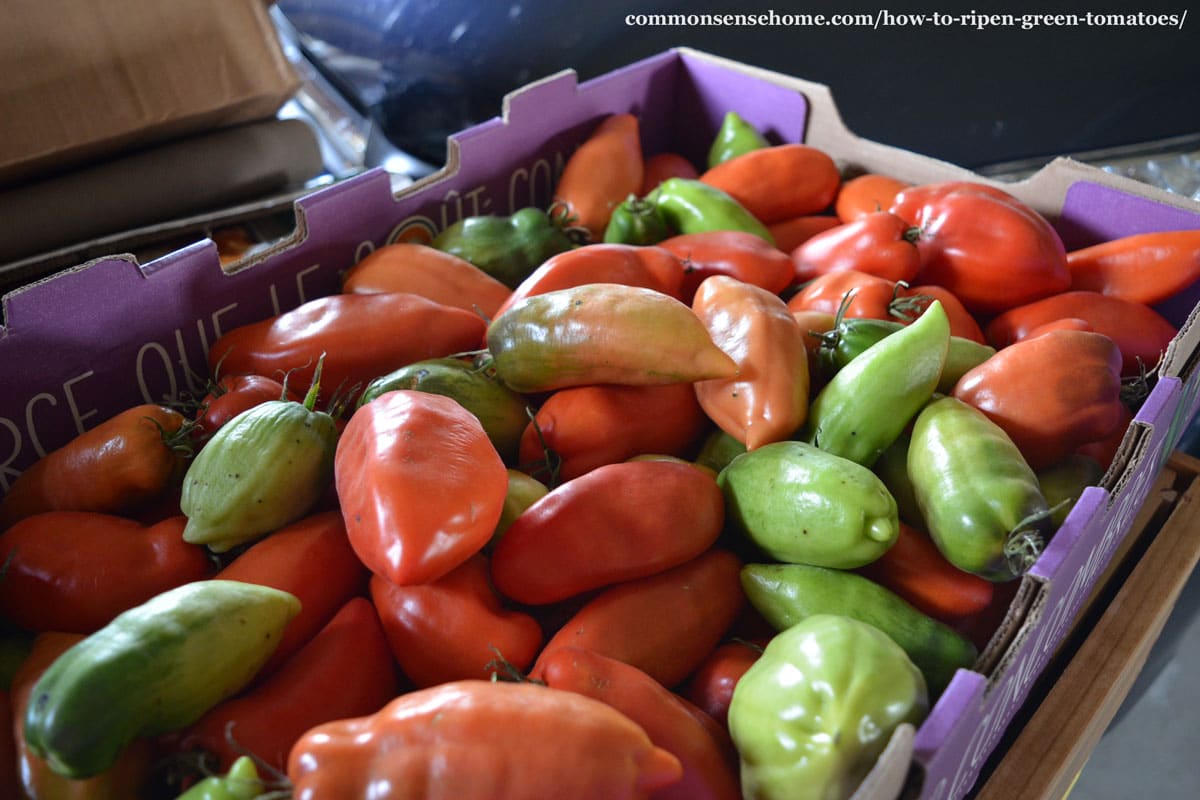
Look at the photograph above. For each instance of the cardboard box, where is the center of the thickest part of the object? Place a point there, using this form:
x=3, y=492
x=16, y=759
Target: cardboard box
x=82, y=345
x=1066, y=723
x=105, y=77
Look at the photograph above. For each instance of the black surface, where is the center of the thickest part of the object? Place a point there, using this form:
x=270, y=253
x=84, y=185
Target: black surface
x=953, y=91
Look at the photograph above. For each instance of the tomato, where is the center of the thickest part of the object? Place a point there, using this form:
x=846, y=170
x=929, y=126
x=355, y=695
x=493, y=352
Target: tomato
x=916, y=570
x=768, y=399
x=711, y=686
x=736, y=254
x=1050, y=393
x=606, y=169
x=345, y=670
x=661, y=166
x=670, y=720
x=651, y=515
x=580, y=428
x=71, y=571
x=867, y=194
x=454, y=627
x=1104, y=450
x=911, y=302
x=1140, y=332
x=872, y=295
x=478, y=739
x=879, y=243
x=984, y=245
x=1145, y=268
x=311, y=559
x=361, y=337
x=795, y=231
x=664, y=624
x=233, y=394
x=425, y=270
x=630, y=265
x=125, y=778
x=420, y=483
x=117, y=467
x=602, y=333
x=778, y=182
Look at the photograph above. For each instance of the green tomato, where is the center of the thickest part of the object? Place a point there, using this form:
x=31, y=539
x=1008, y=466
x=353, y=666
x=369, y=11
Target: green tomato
x=869, y=402
x=787, y=593
x=735, y=137
x=691, y=206
x=812, y=714
x=803, y=505
x=978, y=496
x=266, y=467
x=508, y=248
x=240, y=783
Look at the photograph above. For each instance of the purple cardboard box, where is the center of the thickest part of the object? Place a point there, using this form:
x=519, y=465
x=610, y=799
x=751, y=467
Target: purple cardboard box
x=84, y=344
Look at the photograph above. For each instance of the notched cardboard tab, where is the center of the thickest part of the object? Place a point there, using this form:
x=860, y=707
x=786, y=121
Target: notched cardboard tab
x=1133, y=444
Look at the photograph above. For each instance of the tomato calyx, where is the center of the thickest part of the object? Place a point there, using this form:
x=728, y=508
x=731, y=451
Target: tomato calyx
x=184, y=770
x=504, y=671
x=565, y=220
x=1026, y=543
x=178, y=441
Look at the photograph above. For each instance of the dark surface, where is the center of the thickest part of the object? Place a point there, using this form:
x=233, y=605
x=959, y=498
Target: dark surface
x=969, y=96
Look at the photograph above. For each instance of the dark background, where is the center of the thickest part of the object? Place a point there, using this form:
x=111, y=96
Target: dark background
x=972, y=97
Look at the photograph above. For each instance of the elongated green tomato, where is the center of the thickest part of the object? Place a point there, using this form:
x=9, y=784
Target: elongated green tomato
x=735, y=136
x=786, y=594
x=602, y=333
x=266, y=467
x=853, y=335
x=980, y=500
x=692, y=206
x=803, y=505
x=867, y=404
x=155, y=668
x=811, y=716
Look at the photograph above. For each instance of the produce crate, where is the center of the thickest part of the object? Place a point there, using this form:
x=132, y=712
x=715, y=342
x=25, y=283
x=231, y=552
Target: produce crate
x=83, y=344
x=1109, y=645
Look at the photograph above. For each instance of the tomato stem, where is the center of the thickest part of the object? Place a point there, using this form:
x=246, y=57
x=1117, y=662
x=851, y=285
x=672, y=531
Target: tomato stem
x=310, y=399
x=504, y=670
x=1022, y=550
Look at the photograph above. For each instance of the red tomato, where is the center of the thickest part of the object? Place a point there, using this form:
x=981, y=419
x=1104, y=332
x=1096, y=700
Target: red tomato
x=420, y=483
x=879, y=243
x=984, y=245
x=454, y=627
x=73, y=571
x=651, y=515
x=1140, y=332
x=346, y=670
x=584, y=427
x=736, y=254
x=233, y=394
x=312, y=559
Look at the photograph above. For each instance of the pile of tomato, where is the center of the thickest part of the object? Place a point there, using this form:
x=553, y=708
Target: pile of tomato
x=533, y=498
